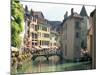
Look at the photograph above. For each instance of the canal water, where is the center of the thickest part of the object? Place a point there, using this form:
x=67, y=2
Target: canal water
x=40, y=64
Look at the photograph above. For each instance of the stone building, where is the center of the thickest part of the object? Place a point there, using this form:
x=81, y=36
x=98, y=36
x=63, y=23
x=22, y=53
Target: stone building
x=91, y=38
x=71, y=36
x=84, y=27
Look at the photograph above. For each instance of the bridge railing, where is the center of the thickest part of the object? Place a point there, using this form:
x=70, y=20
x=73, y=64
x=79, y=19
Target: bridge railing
x=47, y=51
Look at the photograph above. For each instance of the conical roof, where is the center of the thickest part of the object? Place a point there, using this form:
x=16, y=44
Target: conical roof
x=83, y=12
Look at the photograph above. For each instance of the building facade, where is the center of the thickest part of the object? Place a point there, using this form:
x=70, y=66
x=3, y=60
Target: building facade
x=71, y=36
x=44, y=35
x=37, y=31
x=91, y=38
x=27, y=35
x=84, y=27
x=54, y=34
x=54, y=40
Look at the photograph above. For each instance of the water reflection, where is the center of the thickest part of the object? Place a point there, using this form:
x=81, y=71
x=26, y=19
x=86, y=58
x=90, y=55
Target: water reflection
x=40, y=64
x=54, y=64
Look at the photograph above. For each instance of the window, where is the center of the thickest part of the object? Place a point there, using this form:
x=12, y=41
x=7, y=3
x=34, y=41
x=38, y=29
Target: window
x=40, y=42
x=77, y=25
x=77, y=34
x=46, y=35
x=55, y=44
x=44, y=28
x=32, y=25
x=39, y=34
x=34, y=43
x=36, y=27
x=34, y=35
x=45, y=42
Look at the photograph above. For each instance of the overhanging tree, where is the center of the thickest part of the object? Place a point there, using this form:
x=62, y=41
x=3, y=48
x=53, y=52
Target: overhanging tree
x=17, y=18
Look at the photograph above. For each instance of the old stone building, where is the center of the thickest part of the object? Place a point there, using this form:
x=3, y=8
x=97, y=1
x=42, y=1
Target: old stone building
x=84, y=27
x=91, y=38
x=71, y=36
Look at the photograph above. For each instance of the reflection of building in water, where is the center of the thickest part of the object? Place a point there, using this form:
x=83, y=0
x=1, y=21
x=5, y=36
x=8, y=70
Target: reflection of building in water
x=71, y=36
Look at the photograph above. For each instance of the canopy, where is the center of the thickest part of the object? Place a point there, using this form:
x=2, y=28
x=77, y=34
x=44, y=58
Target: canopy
x=14, y=49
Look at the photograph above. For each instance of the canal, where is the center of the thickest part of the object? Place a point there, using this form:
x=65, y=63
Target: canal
x=40, y=64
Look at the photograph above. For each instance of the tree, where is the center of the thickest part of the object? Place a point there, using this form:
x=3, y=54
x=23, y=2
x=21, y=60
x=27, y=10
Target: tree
x=17, y=18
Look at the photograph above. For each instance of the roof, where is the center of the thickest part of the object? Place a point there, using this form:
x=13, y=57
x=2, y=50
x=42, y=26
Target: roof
x=55, y=25
x=39, y=14
x=83, y=11
x=75, y=15
x=93, y=12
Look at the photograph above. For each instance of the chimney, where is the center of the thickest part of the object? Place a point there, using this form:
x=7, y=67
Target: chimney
x=66, y=15
x=72, y=11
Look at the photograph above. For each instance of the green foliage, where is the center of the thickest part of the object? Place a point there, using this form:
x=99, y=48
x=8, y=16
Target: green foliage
x=17, y=18
x=15, y=40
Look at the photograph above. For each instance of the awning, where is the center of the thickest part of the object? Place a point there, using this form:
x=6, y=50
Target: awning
x=14, y=49
x=37, y=47
x=45, y=47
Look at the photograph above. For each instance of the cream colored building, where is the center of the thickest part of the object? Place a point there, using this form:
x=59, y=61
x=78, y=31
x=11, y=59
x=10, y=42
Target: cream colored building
x=71, y=36
x=37, y=31
x=54, y=40
x=40, y=31
x=43, y=36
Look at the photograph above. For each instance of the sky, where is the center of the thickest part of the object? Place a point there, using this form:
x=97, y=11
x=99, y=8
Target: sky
x=55, y=12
